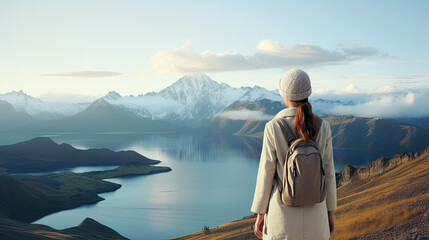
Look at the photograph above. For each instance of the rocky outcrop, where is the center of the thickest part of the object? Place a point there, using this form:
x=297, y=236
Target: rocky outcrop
x=377, y=167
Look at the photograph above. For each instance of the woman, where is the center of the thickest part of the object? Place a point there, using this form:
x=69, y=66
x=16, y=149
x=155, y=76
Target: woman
x=276, y=220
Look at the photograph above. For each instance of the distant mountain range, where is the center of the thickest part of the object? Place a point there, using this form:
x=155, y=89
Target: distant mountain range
x=196, y=103
x=191, y=101
x=348, y=132
x=39, y=109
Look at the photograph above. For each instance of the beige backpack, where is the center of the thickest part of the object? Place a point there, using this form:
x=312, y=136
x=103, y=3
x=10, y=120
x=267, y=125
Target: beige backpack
x=302, y=178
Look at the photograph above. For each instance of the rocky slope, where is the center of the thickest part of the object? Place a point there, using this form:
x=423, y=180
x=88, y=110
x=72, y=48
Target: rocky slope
x=377, y=167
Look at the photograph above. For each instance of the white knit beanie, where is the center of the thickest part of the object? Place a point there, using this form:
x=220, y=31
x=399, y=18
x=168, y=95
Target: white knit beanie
x=295, y=85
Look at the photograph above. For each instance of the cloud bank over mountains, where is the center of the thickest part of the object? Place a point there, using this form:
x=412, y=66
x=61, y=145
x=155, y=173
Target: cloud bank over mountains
x=246, y=114
x=385, y=102
x=270, y=54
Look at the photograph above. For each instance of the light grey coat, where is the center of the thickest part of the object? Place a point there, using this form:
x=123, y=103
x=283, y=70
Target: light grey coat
x=282, y=221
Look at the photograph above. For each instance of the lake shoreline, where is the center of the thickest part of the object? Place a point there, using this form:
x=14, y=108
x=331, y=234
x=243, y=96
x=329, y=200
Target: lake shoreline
x=72, y=190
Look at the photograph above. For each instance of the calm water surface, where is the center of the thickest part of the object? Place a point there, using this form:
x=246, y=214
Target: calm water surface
x=211, y=183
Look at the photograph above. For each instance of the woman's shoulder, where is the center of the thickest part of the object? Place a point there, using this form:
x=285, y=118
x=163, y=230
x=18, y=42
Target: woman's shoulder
x=325, y=124
x=325, y=129
x=269, y=125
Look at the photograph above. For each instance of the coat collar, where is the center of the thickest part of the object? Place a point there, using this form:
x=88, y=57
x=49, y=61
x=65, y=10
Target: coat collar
x=287, y=112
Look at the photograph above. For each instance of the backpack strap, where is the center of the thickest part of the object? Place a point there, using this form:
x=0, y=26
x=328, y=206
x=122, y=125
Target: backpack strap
x=290, y=137
x=287, y=130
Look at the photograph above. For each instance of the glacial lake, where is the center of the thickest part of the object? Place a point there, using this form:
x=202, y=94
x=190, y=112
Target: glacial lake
x=211, y=183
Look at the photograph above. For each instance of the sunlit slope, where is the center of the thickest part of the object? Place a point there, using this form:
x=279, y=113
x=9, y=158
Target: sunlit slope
x=392, y=204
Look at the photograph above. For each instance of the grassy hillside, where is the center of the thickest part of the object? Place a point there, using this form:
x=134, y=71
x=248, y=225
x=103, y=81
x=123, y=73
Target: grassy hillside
x=391, y=205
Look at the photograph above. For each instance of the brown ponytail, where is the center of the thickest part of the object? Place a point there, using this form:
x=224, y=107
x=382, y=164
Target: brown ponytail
x=305, y=120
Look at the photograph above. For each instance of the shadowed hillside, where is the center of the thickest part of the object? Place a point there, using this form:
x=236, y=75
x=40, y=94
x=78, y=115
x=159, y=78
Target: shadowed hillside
x=10, y=118
x=24, y=199
x=374, y=133
x=42, y=154
x=29, y=198
x=387, y=200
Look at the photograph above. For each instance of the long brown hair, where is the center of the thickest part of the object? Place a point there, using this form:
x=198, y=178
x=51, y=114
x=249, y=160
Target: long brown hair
x=305, y=121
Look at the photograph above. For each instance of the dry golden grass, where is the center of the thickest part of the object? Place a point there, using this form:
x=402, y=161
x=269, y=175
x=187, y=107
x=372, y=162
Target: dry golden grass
x=378, y=203
x=360, y=222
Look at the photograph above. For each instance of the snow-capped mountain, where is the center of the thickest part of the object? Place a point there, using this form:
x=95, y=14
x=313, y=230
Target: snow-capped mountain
x=258, y=93
x=40, y=109
x=191, y=101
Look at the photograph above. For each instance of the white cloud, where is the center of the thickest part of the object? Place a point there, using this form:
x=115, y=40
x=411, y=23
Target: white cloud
x=270, y=54
x=83, y=74
x=385, y=102
x=245, y=114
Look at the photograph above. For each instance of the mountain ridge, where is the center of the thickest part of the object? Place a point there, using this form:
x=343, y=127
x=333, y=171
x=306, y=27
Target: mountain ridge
x=377, y=167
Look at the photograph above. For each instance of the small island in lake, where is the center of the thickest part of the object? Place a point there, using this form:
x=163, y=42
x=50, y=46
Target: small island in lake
x=26, y=198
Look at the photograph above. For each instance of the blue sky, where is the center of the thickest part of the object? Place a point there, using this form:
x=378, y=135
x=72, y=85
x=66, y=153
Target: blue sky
x=133, y=47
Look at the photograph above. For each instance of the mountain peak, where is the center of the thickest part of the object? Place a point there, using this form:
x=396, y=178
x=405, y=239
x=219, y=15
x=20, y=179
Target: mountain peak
x=113, y=95
x=197, y=81
x=188, y=86
x=36, y=143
